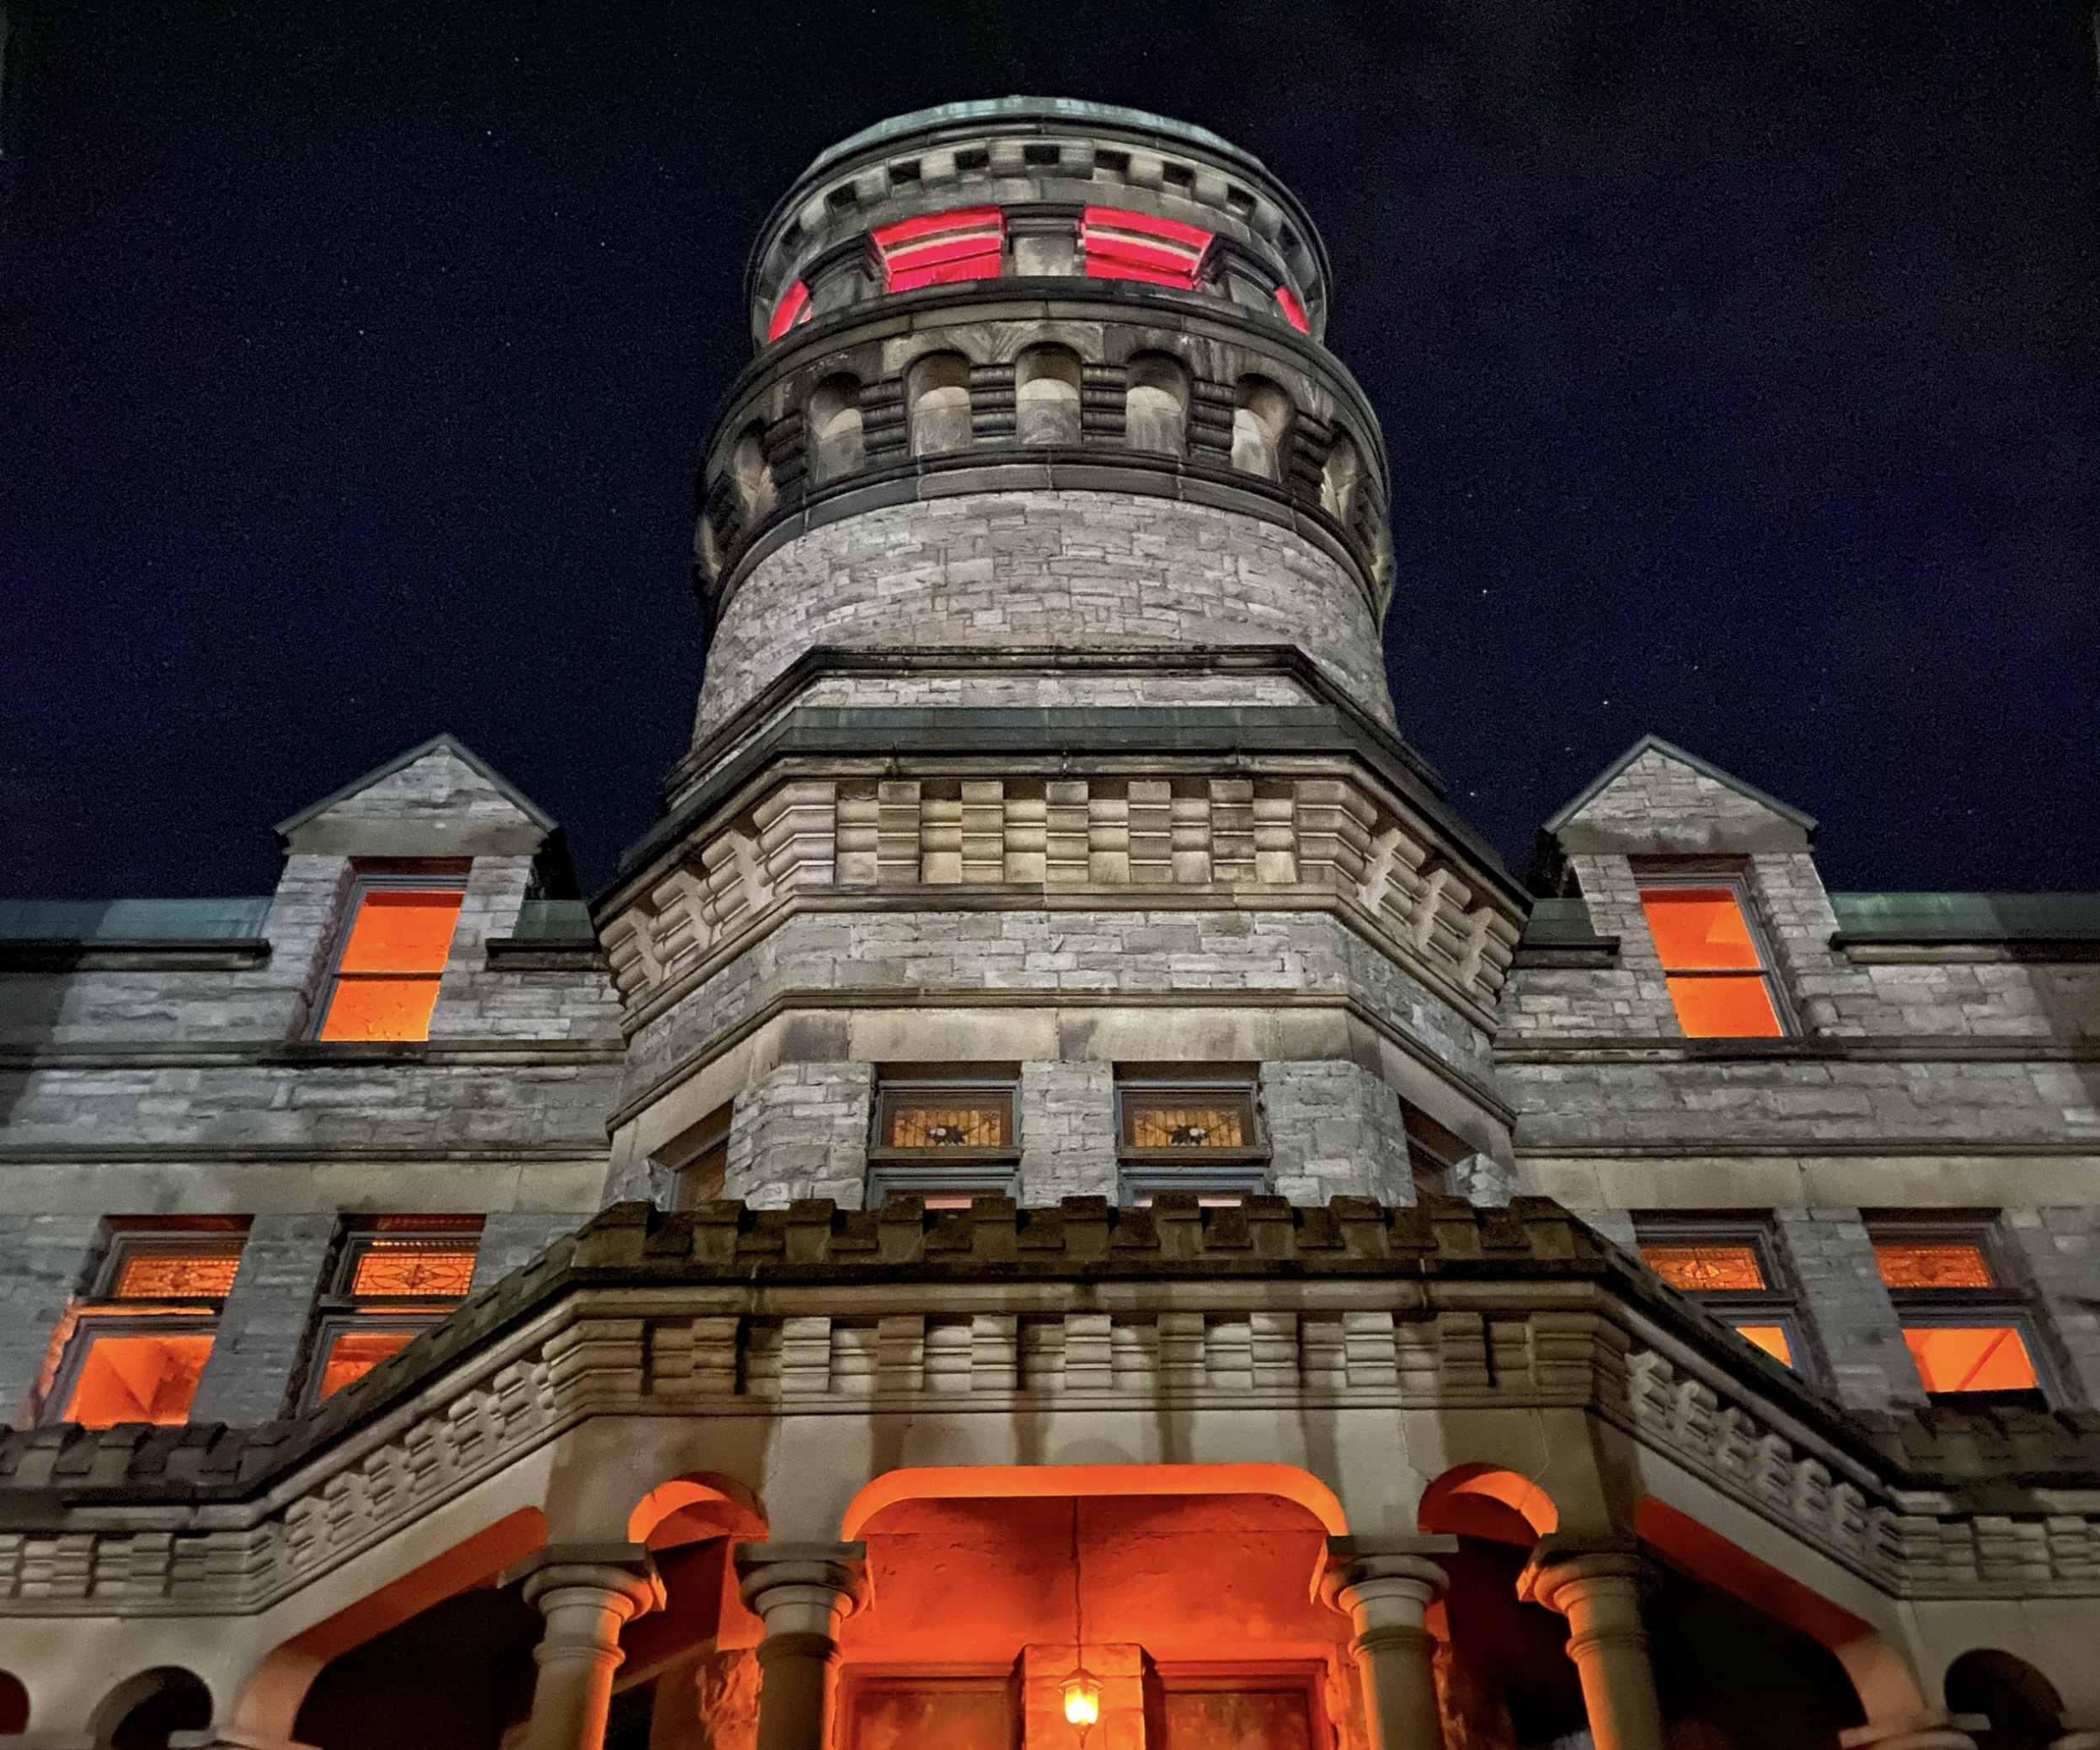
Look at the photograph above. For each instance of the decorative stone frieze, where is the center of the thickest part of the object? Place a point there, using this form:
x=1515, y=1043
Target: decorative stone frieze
x=1201, y=839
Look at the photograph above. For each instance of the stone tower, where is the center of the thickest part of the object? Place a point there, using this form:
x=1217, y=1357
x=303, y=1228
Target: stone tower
x=1045, y=751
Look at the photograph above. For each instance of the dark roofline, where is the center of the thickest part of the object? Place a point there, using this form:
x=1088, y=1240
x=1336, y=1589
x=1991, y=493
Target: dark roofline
x=1706, y=768
x=443, y=741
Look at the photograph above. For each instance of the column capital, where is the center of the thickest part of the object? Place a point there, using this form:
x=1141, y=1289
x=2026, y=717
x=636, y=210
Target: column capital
x=1563, y=1569
x=1360, y=1570
x=840, y=1569
x=620, y=1572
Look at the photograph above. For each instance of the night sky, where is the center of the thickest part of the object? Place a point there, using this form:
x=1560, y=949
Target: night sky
x=1740, y=365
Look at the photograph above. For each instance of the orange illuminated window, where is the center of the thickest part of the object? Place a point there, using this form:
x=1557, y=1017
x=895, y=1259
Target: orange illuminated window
x=1728, y=1264
x=946, y=1140
x=352, y=1354
x=386, y=981
x=1119, y=245
x=1179, y=1134
x=1769, y=1338
x=398, y=1276
x=144, y=1272
x=136, y=1376
x=941, y=248
x=1971, y=1358
x=1930, y=1263
x=1696, y=1267
x=1718, y=979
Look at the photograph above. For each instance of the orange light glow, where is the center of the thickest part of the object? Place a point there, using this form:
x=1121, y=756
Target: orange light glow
x=402, y=1269
x=1181, y=1125
x=1699, y=1268
x=380, y=1009
x=1698, y=928
x=947, y=1482
x=140, y=1377
x=1082, y=1700
x=1769, y=1338
x=403, y=930
x=1971, y=1357
x=1452, y=1503
x=177, y=1275
x=356, y=1353
x=1724, y=1008
x=1907, y=1265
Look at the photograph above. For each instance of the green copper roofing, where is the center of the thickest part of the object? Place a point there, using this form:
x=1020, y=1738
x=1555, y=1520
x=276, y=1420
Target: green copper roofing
x=1967, y=916
x=1025, y=109
x=133, y=920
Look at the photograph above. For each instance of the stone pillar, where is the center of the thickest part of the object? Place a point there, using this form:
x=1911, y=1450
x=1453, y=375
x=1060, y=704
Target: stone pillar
x=801, y=1592
x=1386, y=1585
x=262, y=1333
x=587, y=1592
x=1597, y=1587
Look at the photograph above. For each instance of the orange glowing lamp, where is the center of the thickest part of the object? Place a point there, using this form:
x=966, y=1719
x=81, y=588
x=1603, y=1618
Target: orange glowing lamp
x=1082, y=1700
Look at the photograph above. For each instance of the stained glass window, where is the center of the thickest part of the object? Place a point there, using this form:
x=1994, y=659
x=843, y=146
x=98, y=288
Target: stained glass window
x=1186, y=1121
x=1696, y=1268
x=1711, y=963
x=145, y=1274
x=979, y=1124
x=1932, y=1264
x=393, y=1268
x=386, y=981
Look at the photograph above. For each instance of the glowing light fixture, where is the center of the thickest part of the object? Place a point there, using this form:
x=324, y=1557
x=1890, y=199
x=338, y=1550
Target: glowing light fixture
x=1082, y=1700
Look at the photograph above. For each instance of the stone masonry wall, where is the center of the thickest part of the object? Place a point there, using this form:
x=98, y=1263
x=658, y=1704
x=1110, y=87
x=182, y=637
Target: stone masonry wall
x=1850, y=1318
x=1067, y=1131
x=42, y=1260
x=801, y=1131
x=1071, y=568
x=1334, y=1130
x=262, y=1333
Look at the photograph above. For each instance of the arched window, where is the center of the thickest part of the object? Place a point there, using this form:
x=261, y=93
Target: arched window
x=937, y=390
x=1046, y=396
x=1341, y=480
x=752, y=476
x=1261, y=422
x=834, y=428
x=1156, y=404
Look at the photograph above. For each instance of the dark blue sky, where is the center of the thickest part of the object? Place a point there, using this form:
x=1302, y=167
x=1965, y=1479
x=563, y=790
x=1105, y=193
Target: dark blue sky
x=1740, y=365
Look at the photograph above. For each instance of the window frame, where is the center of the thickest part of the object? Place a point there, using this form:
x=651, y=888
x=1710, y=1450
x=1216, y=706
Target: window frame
x=947, y=1177
x=447, y=874
x=1683, y=874
x=1778, y=1303
x=97, y=1312
x=1242, y=1170
x=2008, y=1300
x=340, y=1310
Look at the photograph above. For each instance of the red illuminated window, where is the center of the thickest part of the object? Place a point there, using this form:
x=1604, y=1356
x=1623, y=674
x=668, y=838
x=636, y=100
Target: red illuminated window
x=386, y=979
x=939, y=248
x=793, y=310
x=1119, y=245
x=139, y=1339
x=397, y=1277
x=1717, y=973
x=1293, y=310
x=1731, y=1268
x=1967, y=1327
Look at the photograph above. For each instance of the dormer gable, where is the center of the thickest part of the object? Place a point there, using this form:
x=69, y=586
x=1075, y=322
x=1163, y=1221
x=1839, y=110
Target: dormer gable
x=439, y=798
x=1658, y=799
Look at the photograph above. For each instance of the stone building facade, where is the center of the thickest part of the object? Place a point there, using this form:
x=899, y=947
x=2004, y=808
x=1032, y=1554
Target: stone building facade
x=1062, y=1196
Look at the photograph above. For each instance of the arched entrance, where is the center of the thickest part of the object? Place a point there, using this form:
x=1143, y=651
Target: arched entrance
x=1182, y=1600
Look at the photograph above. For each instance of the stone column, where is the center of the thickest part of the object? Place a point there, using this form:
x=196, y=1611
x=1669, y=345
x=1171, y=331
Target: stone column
x=1386, y=1585
x=801, y=1592
x=587, y=1592
x=1597, y=1587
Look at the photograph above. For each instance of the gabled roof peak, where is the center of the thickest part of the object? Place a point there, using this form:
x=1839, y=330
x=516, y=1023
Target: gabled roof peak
x=463, y=807
x=1704, y=809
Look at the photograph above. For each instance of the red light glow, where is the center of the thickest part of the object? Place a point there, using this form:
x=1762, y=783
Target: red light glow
x=941, y=248
x=1119, y=245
